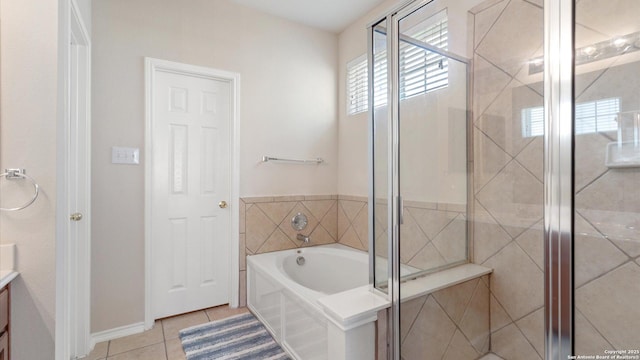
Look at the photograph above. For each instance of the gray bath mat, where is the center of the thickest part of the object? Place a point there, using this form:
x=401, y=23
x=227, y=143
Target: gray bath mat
x=237, y=337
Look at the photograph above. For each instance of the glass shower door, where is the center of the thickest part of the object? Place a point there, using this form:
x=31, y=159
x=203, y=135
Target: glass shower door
x=432, y=159
x=431, y=96
x=471, y=176
x=607, y=178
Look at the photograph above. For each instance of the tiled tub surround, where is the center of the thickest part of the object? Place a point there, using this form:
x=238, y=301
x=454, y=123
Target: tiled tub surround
x=353, y=221
x=433, y=234
x=265, y=225
x=508, y=209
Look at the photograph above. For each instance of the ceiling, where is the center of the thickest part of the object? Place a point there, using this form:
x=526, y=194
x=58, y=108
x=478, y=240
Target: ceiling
x=330, y=15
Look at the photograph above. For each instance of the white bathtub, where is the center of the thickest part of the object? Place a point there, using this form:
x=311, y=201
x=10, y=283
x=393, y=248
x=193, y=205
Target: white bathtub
x=284, y=295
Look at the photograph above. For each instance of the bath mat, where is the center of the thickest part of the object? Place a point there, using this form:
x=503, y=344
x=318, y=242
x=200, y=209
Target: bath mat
x=237, y=337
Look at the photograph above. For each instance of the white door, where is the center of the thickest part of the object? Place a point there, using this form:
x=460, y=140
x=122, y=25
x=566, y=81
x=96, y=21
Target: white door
x=190, y=223
x=78, y=187
x=77, y=180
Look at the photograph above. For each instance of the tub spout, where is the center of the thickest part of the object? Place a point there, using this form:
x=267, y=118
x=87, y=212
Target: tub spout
x=304, y=238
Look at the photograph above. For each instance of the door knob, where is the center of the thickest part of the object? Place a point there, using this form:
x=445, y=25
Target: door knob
x=222, y=204
x=76, y=217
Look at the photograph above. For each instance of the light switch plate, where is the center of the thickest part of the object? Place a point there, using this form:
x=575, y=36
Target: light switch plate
x=125, y=155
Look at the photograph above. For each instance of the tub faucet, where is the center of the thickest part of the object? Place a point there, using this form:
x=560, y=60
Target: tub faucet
x=304, y=238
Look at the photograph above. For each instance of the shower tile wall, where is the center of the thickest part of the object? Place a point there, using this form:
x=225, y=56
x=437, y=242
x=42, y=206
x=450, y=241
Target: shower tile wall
x=508, y=182
x=451, y=324
x=508, y=188
x=433, y=235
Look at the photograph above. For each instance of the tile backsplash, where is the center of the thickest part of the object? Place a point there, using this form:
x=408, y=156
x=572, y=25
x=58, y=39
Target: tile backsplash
x=265, y=224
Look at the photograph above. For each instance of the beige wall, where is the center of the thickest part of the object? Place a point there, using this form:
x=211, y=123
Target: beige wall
x=353, y=133
x=288, y=108
x=29, y=83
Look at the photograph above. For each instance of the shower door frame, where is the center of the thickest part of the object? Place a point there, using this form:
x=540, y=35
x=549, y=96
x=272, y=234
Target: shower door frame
x=559, y=38
x=559, y=20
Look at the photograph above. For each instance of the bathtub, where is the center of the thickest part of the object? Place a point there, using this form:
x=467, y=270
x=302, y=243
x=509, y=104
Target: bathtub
x=285, y=290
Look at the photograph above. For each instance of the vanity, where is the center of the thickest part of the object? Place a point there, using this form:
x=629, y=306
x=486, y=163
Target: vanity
x=7, y=274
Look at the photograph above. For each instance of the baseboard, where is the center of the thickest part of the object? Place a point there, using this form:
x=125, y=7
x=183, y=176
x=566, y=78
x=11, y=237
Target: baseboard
x=116, y=333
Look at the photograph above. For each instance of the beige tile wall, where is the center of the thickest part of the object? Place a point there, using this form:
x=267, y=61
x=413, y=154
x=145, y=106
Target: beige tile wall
x=451, y=324
x=508, y=209
x=508, y=187
x=432, y=234
x=353, y=221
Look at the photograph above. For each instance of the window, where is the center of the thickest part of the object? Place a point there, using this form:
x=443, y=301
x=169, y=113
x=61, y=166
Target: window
x=597, y=116
x=357, y=83
x=380, y=79
x=421, y=70
x=533, y=121
x=590, y=117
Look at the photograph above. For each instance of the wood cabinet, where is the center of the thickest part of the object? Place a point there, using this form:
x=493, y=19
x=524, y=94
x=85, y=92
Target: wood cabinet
x=4, y=323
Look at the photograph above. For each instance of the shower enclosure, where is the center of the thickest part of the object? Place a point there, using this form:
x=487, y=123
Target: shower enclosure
x=506, y=133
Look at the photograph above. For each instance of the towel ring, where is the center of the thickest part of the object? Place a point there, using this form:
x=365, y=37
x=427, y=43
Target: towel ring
x=20, y=174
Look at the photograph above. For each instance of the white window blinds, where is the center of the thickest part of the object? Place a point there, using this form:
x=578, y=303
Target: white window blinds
x=357, y=85
x=380, y=79
x=590, y=117
x=533, y=121
x=421, y=70
x=597, y=116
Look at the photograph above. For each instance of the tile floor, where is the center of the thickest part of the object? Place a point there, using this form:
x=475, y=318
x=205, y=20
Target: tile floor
x=162, y=341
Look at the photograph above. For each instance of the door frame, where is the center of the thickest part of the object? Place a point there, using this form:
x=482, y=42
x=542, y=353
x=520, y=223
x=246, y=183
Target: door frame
x=73, y=260
x=152, y=66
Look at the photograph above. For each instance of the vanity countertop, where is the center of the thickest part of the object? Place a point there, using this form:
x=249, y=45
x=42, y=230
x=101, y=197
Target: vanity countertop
x=7, y=264
x=6, y=276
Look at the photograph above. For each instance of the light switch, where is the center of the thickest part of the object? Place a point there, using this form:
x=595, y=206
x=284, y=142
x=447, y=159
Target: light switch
x=124, y=155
